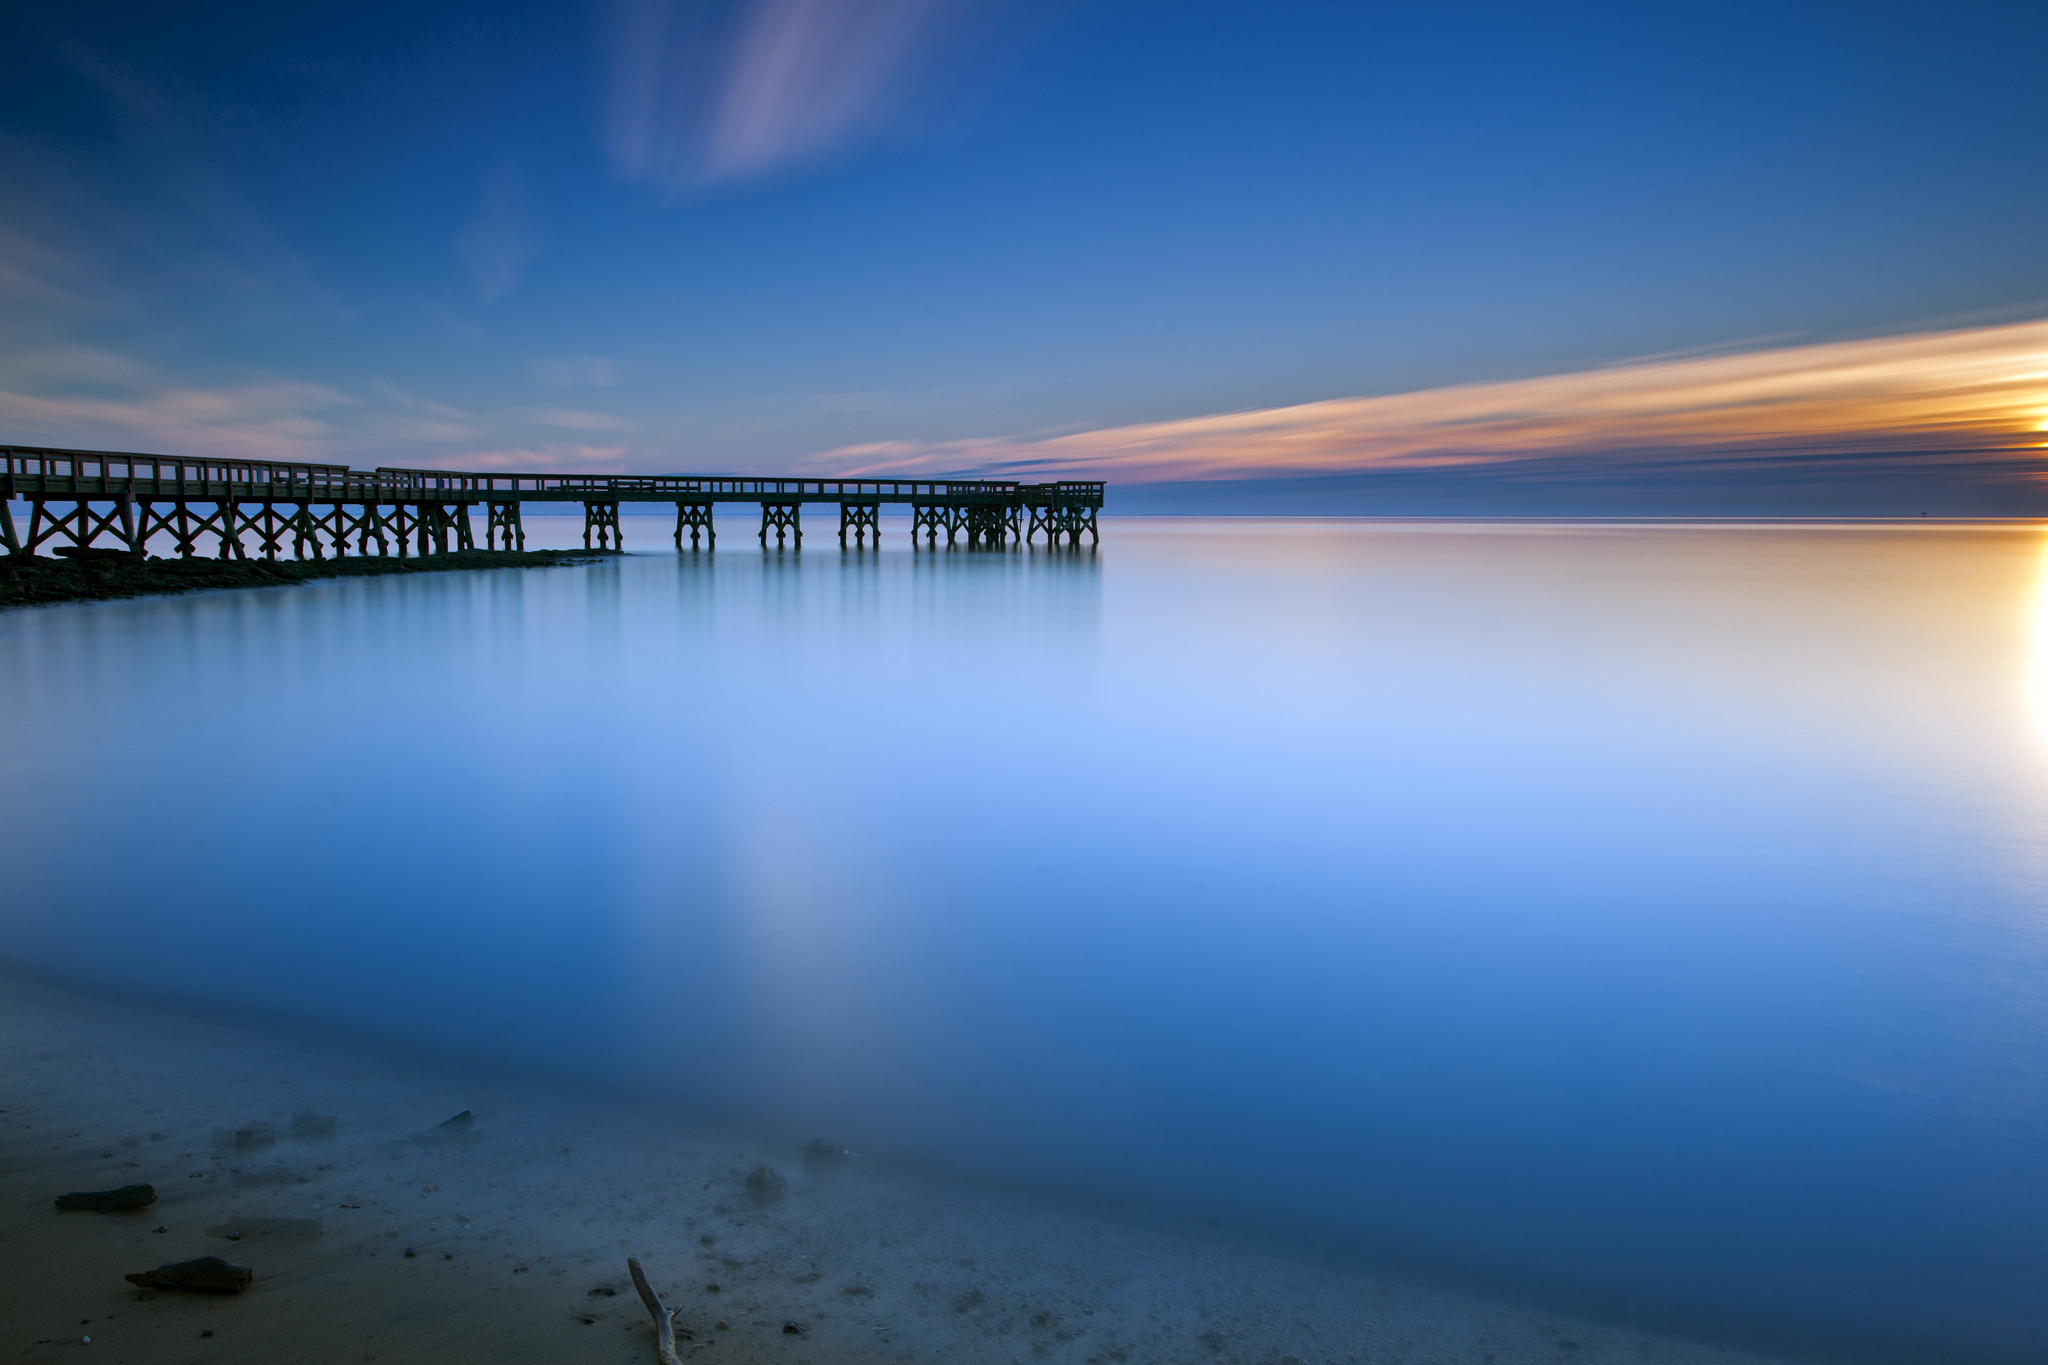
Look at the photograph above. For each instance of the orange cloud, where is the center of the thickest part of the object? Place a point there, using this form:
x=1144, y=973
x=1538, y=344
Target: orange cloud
x=1932, y=391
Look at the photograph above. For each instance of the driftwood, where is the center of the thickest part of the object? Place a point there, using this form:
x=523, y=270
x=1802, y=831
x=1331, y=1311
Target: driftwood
x=460, y=1129
x=208, y=1272
x=107, y=1201
x=664, y=1319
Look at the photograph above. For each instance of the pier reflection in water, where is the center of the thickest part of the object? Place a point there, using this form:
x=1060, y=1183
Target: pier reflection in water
x=1647, y=917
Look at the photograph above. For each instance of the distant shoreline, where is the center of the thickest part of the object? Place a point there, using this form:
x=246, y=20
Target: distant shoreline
x=100, y=575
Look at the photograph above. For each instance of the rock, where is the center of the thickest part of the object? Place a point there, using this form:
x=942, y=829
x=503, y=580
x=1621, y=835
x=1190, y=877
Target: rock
x=109, y=1201
x=208, y=1272
x=80, y=554
x=250, y=1137
x=764, y=1185
x=820, y=1155
x=235, y=1229
x=307, y=1124
x=793, y=1329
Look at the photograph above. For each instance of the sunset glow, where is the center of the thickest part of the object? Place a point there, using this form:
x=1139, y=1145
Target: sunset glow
x=1935, y=392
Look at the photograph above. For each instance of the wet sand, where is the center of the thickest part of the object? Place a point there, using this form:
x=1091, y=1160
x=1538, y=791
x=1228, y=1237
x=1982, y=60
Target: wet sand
x=394, y=1239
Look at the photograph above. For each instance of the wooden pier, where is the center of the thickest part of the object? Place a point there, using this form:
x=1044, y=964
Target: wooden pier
x=75, y=497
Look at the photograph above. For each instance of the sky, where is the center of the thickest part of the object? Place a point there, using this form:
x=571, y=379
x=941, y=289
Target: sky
x=1313, y=257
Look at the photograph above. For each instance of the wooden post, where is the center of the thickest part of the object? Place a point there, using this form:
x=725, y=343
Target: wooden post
x=601, y=519
x=695, y=517
x=504, y=525
x=783, y=518
x=860, y=517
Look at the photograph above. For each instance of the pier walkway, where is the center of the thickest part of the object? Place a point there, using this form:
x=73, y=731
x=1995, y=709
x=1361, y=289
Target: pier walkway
x=77, y=496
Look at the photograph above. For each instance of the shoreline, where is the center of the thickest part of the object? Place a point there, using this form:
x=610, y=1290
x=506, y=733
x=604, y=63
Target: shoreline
x=102, y=575
x=395, y=1236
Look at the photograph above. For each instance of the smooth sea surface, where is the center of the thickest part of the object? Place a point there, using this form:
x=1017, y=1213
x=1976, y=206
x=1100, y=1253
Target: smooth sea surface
x=1643, y=917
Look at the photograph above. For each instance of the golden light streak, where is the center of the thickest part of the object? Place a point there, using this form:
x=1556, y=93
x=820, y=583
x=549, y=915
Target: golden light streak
x=1930, y=391
x=2037, y=628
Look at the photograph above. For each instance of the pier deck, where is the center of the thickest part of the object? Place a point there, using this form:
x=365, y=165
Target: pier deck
x=76, y=497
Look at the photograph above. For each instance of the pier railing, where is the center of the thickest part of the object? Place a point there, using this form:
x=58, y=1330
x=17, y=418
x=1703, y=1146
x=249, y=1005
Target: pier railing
x=431, y=504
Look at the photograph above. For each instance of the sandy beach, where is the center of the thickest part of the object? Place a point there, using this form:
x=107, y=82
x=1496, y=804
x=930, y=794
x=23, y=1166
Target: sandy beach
x=505, y=1237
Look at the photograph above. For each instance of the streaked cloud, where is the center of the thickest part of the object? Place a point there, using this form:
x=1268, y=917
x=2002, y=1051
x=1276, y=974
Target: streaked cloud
x=1935, y=392
x=576, y=420
x=502, y=236
x=265, y=421
x=593, y=371
x=389, y=390
x=582, y=459
x=704, y=92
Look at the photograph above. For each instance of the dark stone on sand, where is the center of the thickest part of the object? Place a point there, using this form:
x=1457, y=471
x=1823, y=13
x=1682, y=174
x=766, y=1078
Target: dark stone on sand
x=764, y=1185
x=793, y=1329
x=250, y=1137
x=237, y=1228
x=208, y=1272
x=109, y=1201
x=307, y=1124
x=820, y=1155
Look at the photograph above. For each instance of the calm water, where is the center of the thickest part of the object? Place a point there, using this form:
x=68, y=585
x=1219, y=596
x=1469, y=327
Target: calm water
x=1649, y=917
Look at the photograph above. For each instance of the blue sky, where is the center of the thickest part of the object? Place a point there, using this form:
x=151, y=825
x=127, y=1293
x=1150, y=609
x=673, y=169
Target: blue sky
x=745, y=236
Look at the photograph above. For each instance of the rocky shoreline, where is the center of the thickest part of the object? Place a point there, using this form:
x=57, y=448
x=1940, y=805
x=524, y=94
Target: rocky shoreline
x=92, y=575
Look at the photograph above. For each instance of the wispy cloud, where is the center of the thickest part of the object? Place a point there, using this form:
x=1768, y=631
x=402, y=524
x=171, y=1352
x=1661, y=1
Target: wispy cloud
x=583, y=459
x=411, y=400
x=702, y=92
x=576, y=420
x=264, y=421
x=1930, y=391
x=502, y=236
x=574, y=371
